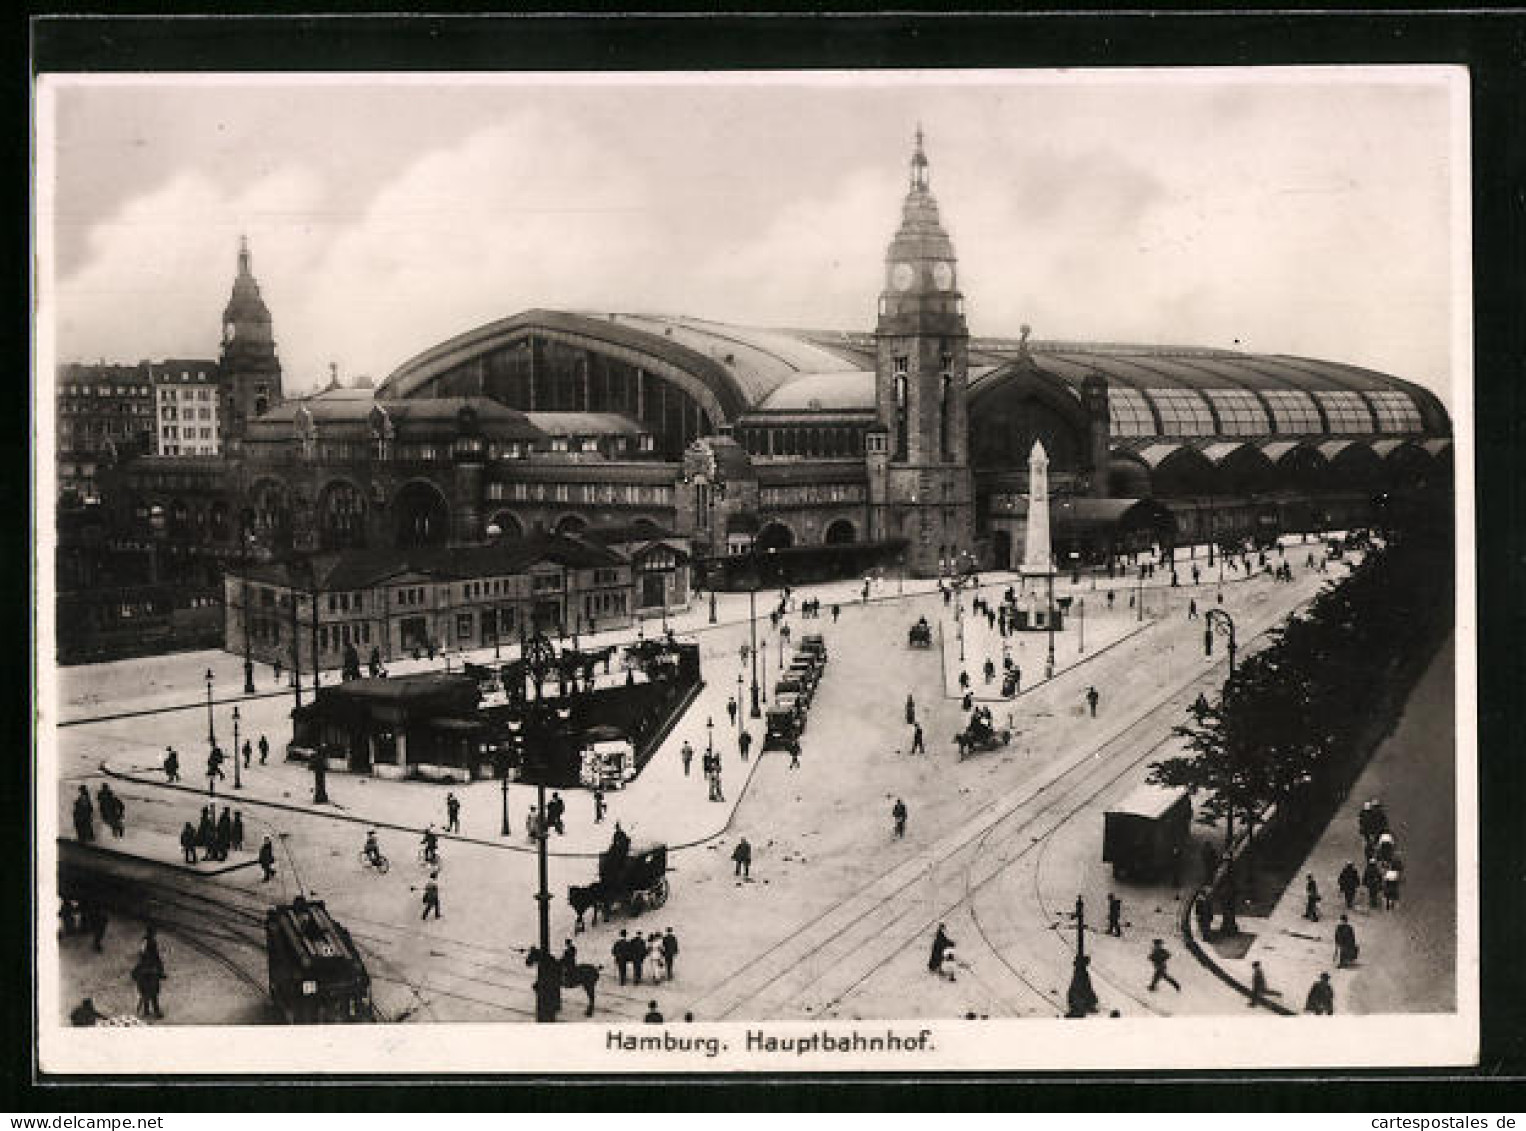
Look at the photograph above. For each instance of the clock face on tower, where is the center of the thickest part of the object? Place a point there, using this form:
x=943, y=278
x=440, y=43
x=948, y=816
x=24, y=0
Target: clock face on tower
x=902, y=276
x=943, y=275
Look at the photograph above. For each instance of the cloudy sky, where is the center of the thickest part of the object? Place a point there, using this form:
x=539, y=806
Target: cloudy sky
x=1276, y=214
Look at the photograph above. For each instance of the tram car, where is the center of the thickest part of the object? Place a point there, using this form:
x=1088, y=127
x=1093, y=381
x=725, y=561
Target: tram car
x=1146, y=832
x=793, y=683
x=317, y=976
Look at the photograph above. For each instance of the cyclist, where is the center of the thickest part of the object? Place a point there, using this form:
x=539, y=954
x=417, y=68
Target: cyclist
x=372, y=849
x=431, y=846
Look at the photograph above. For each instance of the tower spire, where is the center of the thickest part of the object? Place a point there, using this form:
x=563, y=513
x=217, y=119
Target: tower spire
x=918, y=165
x=243, y=255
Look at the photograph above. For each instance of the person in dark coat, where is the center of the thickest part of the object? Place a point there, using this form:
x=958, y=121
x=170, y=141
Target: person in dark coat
x=1372, y=880
x=237, y=841
x=941, y=946
x=1091, y=701
x=621, y=952
x=224, y=833
x=744, y=743
x=638, y=950
x=652, y=1016
x=918, y=746
x=741, y=855
x=84, y=816
x=248, y=753
x=911, y=711
x=150, y=952
x=1114, y=916
x=188, y=842
x=431, y=896
x=569, y=960
x=171, y=764
x=1259, y=990
x=85, y=1014
x=555, y=808
x=898, y=815
x=147, y=980
x=1321, y=999
x=1345, y=944
x=206, y=831
x=264, y=749
x=599, y=807
x=1349, y=881
x=452, y=813
x=267, y=861
x=96, y=921
x=1202, y=907
x=669, y=951
x=1311, y=898
x=1159, y=956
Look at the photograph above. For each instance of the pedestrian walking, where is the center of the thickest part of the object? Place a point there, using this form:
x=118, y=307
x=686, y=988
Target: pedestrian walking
x=224, y=834
x=1091, y=701
x=911, y=711
x=622, y=955
x=556, y=808
x=1159, y=956
x=237, y=831
x=1311, y=898
x=744, y=744
x=206, y=831
x=1114, y=916
x=1391, y=885
x=1192, y=608
x=1321, y=999
x=265, y=745
x=188, y=842
x=836, y=612
x=599, y=807
x=741, y=855
x=147, y=979
x=794, y=753
x=653, y=1017
x=267, y=860
x=1386, y=846
x=964, y=681
x=669, y=951
x=96, y=921
x=248, y=753
x=532, y=824
x=898, y=815
x=731, y=709
x=1372, y=880
x=1349, y=881
x=942, y=944
x=638, y=950
x=918, y=746
x=1259, y=990
x=1346, y=950
x=431, y=896
x=687, y=754
x=452, y=813
x=171, y=764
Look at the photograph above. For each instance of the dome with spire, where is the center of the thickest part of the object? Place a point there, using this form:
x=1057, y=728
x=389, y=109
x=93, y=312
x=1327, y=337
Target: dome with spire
x=245, y=306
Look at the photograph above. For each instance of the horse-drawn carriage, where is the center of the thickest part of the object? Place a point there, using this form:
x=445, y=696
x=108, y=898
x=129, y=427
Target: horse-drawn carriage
x=981, y=734
x=630, y=877
x=920, y=634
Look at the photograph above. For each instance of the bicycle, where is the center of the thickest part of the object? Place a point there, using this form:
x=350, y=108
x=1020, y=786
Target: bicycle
x=379, y=862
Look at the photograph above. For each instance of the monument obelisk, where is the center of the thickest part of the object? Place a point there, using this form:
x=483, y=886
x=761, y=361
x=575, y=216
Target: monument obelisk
x=1038, y=560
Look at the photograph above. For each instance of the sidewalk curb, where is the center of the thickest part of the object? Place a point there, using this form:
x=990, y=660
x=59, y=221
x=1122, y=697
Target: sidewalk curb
x=179, y=866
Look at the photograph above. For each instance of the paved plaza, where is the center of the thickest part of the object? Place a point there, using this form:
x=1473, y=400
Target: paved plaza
x=835, y=917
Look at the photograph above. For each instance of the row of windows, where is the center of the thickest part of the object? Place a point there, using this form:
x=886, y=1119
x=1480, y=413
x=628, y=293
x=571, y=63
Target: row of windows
x=203, y=393
x=172, y=413
x=72, y=408
x=811, y=493
x=636, y=494
x=1185, y=412
x=104, y=390
x=188, y=449
x=335, y=637
x=820, y=442
x=175, y=432
x=603, y=604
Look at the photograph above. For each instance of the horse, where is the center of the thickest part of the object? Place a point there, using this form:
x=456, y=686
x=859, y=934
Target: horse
x=581, y=976
x=584, y=899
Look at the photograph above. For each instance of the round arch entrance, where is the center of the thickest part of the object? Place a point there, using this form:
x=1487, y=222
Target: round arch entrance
x=840, y=533
x=571, y=524
x=508, y=524
x=775, y=536
x=423, y=519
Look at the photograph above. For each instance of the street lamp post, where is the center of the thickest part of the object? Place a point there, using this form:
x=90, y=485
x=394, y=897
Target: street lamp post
x=1220, y=621
x=548, y=990
x=752, y=612
x=739, y=700
x=1081, y=622
x=238, y=781
x=712, y=606
x=710, y=735
x=1049, y=659
x=1081, y=998
x=211, y=731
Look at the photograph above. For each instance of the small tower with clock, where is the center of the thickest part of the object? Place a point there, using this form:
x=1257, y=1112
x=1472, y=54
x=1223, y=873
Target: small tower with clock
x=251, y=372
x=920, y=487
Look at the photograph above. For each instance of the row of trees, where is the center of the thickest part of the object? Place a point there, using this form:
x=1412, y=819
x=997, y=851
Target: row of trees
x=1293, y=725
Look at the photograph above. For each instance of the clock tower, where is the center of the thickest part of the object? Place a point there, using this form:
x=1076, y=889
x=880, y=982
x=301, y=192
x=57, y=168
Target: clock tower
x=920, y=486
x=251, y=372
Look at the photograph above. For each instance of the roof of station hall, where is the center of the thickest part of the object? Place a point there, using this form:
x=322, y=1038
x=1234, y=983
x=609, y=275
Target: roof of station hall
x=758, y=370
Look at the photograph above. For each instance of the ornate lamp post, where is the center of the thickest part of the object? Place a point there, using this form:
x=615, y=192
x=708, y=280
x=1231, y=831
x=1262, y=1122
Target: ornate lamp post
x=238, y=781
x=1081, y=998
x=537, y=723
x=211, y=732
x=752, y=614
